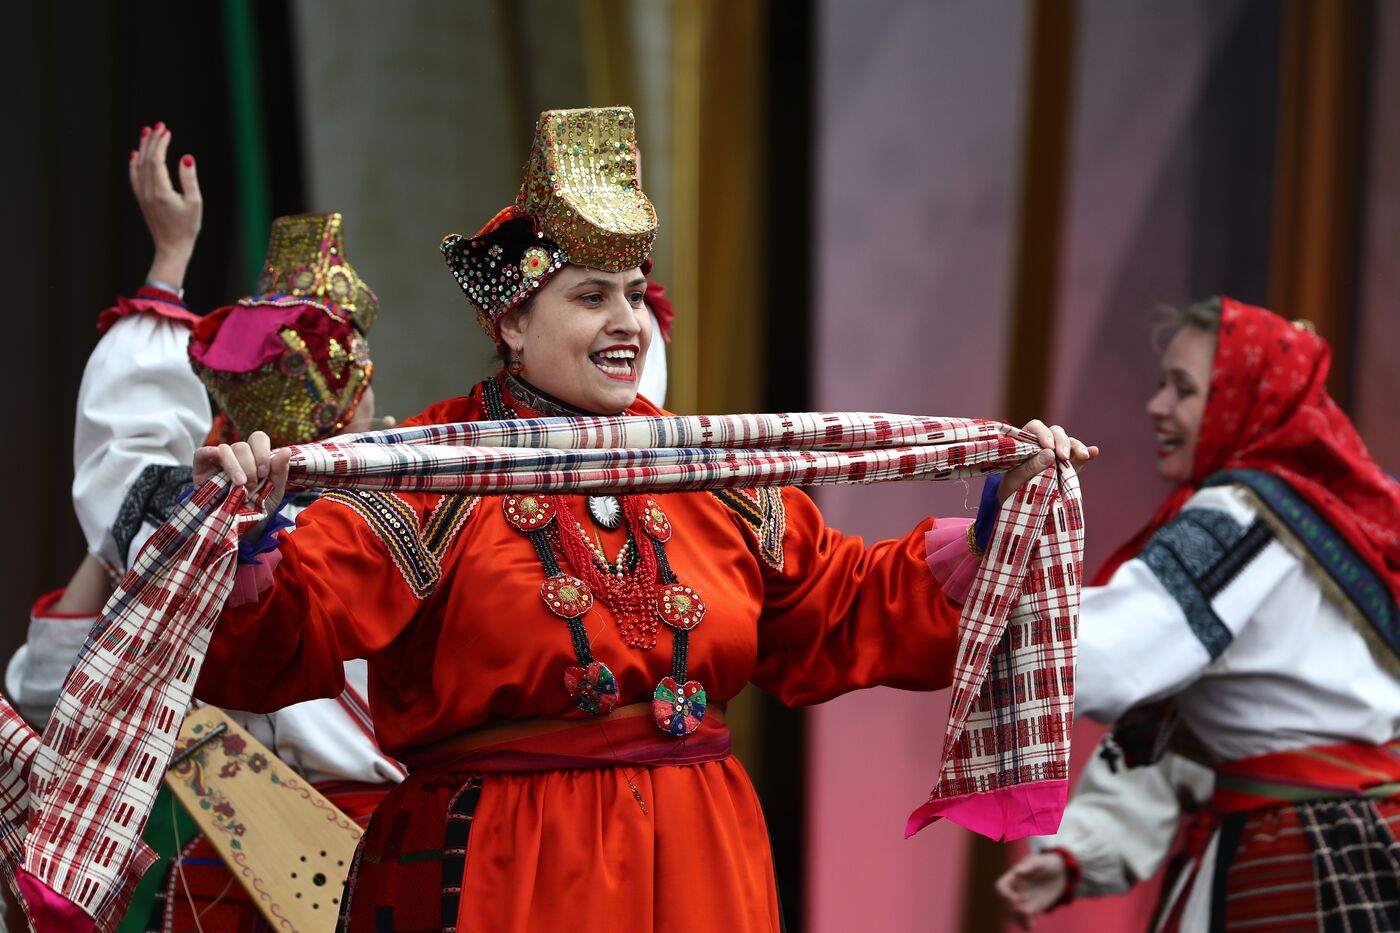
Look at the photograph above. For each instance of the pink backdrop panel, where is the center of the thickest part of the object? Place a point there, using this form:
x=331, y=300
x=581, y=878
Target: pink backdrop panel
x=919, y=111
x=1141, y=229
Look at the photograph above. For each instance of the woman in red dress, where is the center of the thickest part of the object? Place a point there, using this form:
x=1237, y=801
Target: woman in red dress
x=554, y=668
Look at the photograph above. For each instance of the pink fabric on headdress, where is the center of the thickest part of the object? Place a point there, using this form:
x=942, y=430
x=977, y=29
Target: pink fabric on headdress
x=659, y=304
x=242, y=339
x=952, y=563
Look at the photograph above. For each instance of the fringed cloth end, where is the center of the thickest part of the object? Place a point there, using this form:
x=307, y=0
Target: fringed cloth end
x=1006, y=748
x=1003, y=815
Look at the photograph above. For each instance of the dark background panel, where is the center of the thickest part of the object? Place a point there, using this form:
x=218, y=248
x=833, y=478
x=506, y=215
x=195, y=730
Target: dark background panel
x=80, y=81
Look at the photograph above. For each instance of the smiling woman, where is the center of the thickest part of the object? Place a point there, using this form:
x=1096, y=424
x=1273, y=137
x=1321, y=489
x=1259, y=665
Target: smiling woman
x=547, y=676
x=1179, y=404
x=583, y=336
x=1252, y=625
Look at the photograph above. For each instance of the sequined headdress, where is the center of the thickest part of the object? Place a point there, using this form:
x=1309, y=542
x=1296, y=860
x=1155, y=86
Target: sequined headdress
x=306, y=259
x=292, y=360
x=282, y=365
x=580, y=202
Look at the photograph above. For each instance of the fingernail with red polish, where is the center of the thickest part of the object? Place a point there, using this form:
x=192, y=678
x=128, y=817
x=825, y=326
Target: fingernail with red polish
x=133, y=153
x=145, y=131
x=159, y=126
x=187, y=161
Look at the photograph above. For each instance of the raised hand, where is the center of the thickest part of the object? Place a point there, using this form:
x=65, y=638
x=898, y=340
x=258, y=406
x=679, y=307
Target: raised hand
x=172, y=217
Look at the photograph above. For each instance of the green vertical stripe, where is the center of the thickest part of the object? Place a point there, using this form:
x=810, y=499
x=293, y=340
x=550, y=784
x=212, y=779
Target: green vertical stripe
x=168, y=831
x=249, y=148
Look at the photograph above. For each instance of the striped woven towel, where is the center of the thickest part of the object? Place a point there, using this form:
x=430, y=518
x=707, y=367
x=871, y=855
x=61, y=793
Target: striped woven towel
x=1006, y=749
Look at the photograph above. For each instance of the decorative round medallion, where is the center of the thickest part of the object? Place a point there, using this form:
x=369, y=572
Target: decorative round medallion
x=293, y=363
x=679, y=606
x=606, y=511
x=534, y=263
x=593, y=688
x=326, y=415
x=303, y=279
x=359, y=351
x=654, y=520
x=341, y=285
x=528, y=512
x=566, y=596
x=678, y=708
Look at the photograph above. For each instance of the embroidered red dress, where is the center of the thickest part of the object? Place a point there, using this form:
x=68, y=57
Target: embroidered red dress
x=442, y=595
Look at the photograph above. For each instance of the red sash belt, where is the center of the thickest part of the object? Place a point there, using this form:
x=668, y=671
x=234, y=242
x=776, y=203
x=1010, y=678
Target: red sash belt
x=626, y=736
x=1347, y=771
x=1321, y=772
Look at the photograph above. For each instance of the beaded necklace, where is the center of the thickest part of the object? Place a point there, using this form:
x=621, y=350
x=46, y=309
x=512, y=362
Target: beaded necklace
x=641, y=589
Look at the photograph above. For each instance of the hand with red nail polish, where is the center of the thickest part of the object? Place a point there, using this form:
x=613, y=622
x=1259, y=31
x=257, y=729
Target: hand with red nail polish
x=172, y=217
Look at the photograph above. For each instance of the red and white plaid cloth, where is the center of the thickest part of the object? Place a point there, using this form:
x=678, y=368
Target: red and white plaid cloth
x=94, y=778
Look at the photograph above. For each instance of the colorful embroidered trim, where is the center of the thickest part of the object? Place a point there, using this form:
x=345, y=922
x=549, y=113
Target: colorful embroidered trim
x=1195, y=556
x=396, y=524
x=445, y=520
x=762, y=510
x=1358, y=582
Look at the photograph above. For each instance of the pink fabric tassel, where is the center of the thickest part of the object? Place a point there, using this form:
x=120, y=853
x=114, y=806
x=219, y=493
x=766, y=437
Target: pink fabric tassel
x=949, y=558
x=250, y=581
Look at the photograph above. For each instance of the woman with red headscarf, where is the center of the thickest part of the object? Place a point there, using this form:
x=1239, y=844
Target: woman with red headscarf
x=1253, y=624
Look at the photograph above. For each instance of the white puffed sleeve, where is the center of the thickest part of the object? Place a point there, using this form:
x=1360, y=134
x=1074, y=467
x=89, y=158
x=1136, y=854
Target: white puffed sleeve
x=141, y=414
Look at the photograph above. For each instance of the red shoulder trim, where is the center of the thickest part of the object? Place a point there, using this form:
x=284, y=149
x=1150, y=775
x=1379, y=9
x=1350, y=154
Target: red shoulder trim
x=148, y=300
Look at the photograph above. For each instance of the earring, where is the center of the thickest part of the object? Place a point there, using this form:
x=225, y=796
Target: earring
x=516, y=366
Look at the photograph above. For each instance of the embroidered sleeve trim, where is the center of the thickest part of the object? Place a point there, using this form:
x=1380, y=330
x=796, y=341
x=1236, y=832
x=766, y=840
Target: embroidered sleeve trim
x=1358, y=585
x=762, y=510
x=396, y=524
x=149, y=500
x=1196, y=556
x=446, y=519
